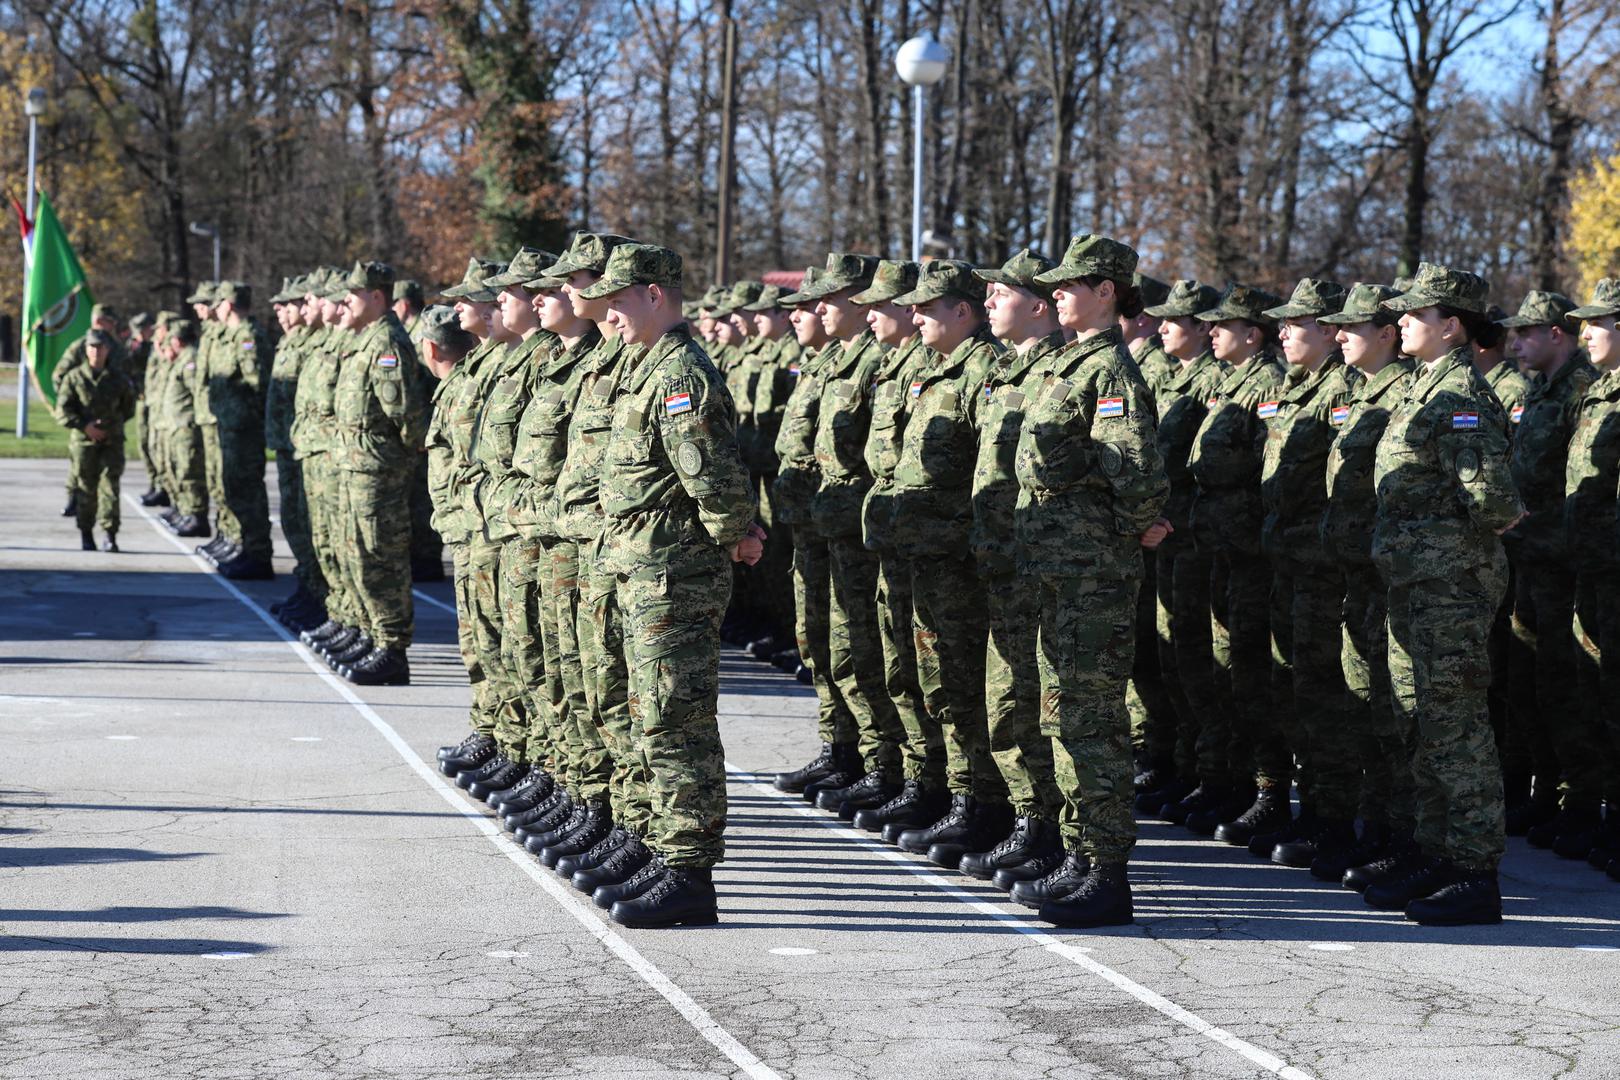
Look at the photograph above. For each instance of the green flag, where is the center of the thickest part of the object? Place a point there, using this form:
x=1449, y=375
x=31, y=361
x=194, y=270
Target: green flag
x=56, y=298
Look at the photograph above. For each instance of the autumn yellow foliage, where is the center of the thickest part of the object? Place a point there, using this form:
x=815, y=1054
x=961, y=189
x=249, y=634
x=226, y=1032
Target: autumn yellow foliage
x=1594, y=222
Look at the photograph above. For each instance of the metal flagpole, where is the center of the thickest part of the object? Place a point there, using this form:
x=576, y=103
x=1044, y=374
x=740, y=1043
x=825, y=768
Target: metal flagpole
x=34, y=106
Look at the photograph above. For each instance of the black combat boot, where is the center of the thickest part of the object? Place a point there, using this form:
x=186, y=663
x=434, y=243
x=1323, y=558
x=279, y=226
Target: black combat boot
x=111, y=543
x=380, y=667
x=360, y=646
x=499, y=795
x=1536, y=809
x=493, y=767
x=596, y=824
x=1149, y=803
x=1207, y=794
x=1154, y=775
x=847, y=769
x=72, y=507
x=1333, y=861
x=243, y=568
x=1301, y=851
x=619, y=867
x=823, y=764
x=526, y=796
x=547, y=816
x=987, y=826
x=1399, y=857
x=869, y=792
x=337, y=642
x=540, y=839
x=1032, y=870
x=1227, y=806
x=473, y=753
x=596, y=855
x=954, y=822
x=684, y=896
x=1470, y=898
x=1264, y=843
x=1059, y=882
x=320, y=635
x=1578, y=835
x=1031, y=838
x=1103, y=899
x=1425, y=877
x=914, y=807
x=606, y=895
x=498, y=780
x=87, y=540
x=191, y=526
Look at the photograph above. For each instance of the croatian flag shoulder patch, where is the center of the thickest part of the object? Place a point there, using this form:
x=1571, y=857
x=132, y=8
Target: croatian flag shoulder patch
x=1212, y=402
x=388, y=361
x=248, y=344
x=675, y=404
x=916, y=388
x=793, y=370
x=1518, y=413
x=1464, y=421
x=1110, y=407
x=1339, y=415
x=1266, y=410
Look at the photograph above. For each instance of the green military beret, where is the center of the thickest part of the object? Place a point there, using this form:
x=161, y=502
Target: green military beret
x=473, y=285
x=944, y=279
x=1186, y=298
x=1364, y=303
x=1541, y=309
x=636, y=264
x=1093, y=256
x=441, y=325
x=1438, y=286
x=236, y=293
x=1020, y=272
x=203, y=294
x=588, y=251
x=741, y=295
x=141, y=322
x=812, y=275
x=844, y=270
x=769, y=299
x=1605, y=301
x=1311, y=297
x=98, y=337
x=1242, y=302
x=529, y=263
x=407, y=290
x=103, y=311
x=1151, y=289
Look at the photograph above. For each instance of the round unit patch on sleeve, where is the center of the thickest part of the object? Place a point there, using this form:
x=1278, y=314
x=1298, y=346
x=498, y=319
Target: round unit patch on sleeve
x=1112, y=459
x=689, y=458
x=1467, y=465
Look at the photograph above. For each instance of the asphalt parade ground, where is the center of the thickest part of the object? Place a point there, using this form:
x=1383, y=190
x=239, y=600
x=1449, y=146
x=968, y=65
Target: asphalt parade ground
x=217, y=860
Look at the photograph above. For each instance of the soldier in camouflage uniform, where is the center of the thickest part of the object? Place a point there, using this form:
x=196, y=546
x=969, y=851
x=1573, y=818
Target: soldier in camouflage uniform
x=1092, y=486
x=1373, y=736
x=93, y=402
x=238, y=368
x=1181, y=571
x=1445, y=494
x=103, y=318
x=227, y=542
x=185, y=473
x=677, y=513
x=1021, y=313
x=1591, y=477
x=142, y=333
x=302, y=610
x=1545, y=688
x=767, y=384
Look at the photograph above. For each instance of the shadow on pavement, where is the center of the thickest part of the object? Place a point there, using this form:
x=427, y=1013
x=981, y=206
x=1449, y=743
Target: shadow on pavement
x=142, y=946
x=132, y=914
x=88, y=856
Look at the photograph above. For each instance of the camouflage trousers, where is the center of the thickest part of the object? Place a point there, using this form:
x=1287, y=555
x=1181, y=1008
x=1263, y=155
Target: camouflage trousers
x=521, y=596
x=426, y=547
x=583, y=765
x=508, y=701
x=1147, y=695
x=1182, y=614
x=600, y=629
x=1240, y=646
x=295, y=522
x=485, y=709
x=1375, y=733
x=948, y=604
x=1308, y=697
x=97, y=469
x=376, y=552
x=923, y=753
x=186, y=480
x=1012, y=696
x=145, y=440
x=773, y=574
x=1548, y=721
x=324, y=501
x=1597, y=626
x=1503, y=649
x=855, y=649
x=242, y=479
x=672, y=648
x=1440, y=674
x=1085, y=638
x=812, y=597
x=214, y=465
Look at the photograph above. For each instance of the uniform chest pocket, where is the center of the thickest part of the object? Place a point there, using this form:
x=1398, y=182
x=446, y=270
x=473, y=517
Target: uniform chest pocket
x=625, y=449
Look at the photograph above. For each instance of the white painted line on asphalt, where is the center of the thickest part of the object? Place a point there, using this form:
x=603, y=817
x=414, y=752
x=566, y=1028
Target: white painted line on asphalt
x=1073, y=953
x=122, y=738
x=695, y=1014
x=506, y=954
x=226, y=955
x=435, y=601
x=793, y=951
x=1331, y=946
x=306, y=738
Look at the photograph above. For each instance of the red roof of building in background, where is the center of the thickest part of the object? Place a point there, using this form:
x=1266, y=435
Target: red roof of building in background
x=787, y=279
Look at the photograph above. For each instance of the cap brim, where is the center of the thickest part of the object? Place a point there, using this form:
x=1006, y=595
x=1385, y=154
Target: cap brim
x=605, y=288
x=872, y=296
x=1292, y=311
x=915, y=298
x=1347, y=318
x=501, y=281
x=1167, y=311
x=562, y=268
x=544, y=284
x=1594, y=311
x=759, y=307
x=1416, y=301
x=1519, y=322
x=1058, y=275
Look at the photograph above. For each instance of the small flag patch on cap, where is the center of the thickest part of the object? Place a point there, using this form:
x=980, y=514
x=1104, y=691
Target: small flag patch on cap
x=1110, y=407
x=1266, y=410
x=1518, y=413
x=388, y=361
x=1464, y=421
x=675, y=404
x=1339, y=415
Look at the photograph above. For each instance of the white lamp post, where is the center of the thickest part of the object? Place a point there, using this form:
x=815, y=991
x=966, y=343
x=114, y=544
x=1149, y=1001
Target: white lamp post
x=33, y=108
x=921, y=62
x=199, y=229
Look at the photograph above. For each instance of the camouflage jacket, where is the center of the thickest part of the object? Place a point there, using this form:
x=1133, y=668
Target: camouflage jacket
x=178, y=403
x=75, y=357
x=1510, y=388
x=1298, y=440
x=576, y=505
x=1442, y=476
x=1182, y=405
x=739, y=372
x=1227, y=453
x=769, y=384
x=158, y=371
x=495, y=434
x=140, y=358
x=449, y=512
x=207, y=343
x=1346, y=529
x=842, y=424
x=798, y=475
x=542, y=438
x=891, y=393
x=1006, y=394
x=324, y=350
x=88, y=396
x=1158, y=367
x=462, y=409
x=377, y=404
x=1540, y=453
x=672, y=481
x=1090, y=477
x=1592, y=475
x=280, y=398
x=238, y=368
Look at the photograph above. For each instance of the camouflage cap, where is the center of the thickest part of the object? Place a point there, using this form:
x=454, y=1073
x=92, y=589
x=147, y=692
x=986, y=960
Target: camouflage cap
x=637, y=264
x=1311, y=297
x=141, y=322
x=1242, y=302
x=742, y=294
x=370, y=275
x=167, y=318
x=472, y=286
x=1363, y=303
x=529, y=263
x=103, y=311
x=1541, y=309
x=203, y=294
x=710, y=301
x=588, y=251
x=1151, y=289
x=236, y=293
x=288, y=284
x=1019, y=271
x=769, y=300
x=1092, y=256
x=98, y=337
x=1186, y=298
x=812, y=275
x=1438, y=286
x=1605, y=301
x=545, y=283
x=844, y=270
x=944, y=279
x=892, y=278
x=407, y=290
x=441, y=325
x=1402, y=284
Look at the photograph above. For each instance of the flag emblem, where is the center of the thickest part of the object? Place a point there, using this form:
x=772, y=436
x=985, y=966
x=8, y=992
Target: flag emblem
x=1109, y=407
x=1518, y=413
x=1266, y=410
x=1464, y=421
x=916, y=388
x=675, y=404
x=1340, y=414
x=388, y=361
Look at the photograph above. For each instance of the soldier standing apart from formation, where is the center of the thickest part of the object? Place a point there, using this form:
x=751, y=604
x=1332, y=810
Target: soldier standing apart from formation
x=677, y=515
x=1092, y=489
x=1445, y=496
x=93, y=402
